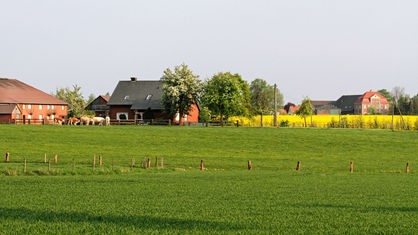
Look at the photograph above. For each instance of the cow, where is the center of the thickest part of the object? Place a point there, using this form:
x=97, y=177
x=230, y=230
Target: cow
x=85, y=120
x=58, y=121
x=107, y=121
x=98, y=120
x=73, y=121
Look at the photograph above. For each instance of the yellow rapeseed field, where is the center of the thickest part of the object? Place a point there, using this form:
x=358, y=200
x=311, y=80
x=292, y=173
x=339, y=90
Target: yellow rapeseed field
x=336, y=121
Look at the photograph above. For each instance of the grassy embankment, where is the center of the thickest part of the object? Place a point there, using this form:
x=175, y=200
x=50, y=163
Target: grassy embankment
x=323, y=198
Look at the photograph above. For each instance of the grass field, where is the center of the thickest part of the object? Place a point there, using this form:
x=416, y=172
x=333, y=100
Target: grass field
x=379, y=197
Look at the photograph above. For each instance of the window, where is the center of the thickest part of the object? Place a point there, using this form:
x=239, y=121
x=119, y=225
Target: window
x=23, y=106
x=62, y=107
x=122, y=116
x=40, y=117
x=40, y=107
x=29, y=116
x=148, y=97
x=52, y=107
x=48, y=107
x=29, y=106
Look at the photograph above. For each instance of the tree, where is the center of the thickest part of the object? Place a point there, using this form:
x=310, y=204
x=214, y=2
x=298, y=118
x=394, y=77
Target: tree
x=306, y=109
x=226, y=94
x=261, y=99
x=74, y=98
x=181, y=89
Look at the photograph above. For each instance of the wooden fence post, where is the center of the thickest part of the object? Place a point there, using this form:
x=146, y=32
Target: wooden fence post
x=351, y=167
x=45, y=158
x=49, y=165
x=100, y=160
x=24, y=166
x=162, y=163
x=156, y=162
x=407, y=168
x=132, y=163
x=148, y=163
x=7, y=156
x=298, y=166
x=202, y=167
x=56, y=159
x=94, y=161
x=250, y=166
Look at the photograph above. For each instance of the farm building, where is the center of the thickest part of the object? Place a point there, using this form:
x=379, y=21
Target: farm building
x=99, y=106
x=371, y=102
x=139, y=101
x=21, y=104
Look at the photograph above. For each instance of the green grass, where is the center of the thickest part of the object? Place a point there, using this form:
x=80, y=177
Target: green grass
x=226, y=198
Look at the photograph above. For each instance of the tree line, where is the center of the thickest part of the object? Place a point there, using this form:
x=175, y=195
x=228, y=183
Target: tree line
x=401, y=103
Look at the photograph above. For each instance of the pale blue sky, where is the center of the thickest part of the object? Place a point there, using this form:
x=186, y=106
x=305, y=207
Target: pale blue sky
x=321, y=49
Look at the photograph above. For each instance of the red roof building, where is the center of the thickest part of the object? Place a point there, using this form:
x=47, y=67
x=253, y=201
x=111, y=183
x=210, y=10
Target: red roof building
x=371, y=102
x=21, y=103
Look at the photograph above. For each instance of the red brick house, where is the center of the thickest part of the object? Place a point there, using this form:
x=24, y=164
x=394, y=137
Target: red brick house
x=371, y=102
x=21, y=103
x=140, y=101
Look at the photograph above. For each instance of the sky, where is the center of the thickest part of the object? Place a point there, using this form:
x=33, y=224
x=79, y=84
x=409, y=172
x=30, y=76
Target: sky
x=320, y=49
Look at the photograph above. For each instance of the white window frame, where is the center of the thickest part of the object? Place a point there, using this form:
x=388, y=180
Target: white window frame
x=121, y=113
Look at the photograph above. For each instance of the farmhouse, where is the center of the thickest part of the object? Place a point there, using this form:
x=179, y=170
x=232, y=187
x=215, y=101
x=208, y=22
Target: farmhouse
x=21, y=103
x=370, y=102
x=99, y=106
x=139, y=101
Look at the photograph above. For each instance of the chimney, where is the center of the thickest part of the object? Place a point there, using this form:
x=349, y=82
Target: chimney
x=134, y=79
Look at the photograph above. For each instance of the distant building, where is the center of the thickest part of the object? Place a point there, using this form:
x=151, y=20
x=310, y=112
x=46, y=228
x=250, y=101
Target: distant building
x=99, y=106
x=21, y=103
x=371, y=102
x=140, y=101
x=325, y=107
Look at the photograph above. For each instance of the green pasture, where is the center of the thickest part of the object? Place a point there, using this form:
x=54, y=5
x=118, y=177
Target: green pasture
x=72, y=197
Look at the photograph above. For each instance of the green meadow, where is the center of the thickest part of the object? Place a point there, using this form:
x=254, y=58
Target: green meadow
x=118, y=197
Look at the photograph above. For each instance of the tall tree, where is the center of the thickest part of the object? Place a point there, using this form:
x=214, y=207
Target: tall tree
x=74, y=98
x=306, y=109
x=226, y=94
x=261, y=99
x=181, y=89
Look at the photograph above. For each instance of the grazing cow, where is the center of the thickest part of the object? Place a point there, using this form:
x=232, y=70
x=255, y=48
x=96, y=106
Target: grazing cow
x=107, y=121
x=73, y=121
x=98, y=120
x=85, y=121
x=58, y=121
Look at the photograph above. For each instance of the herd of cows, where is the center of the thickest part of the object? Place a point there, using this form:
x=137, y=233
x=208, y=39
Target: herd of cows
x=84, y=121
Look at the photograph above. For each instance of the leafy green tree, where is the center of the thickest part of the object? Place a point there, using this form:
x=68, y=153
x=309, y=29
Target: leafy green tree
x=414, y=105
x=181, y=89
x=260, y=98
x=74, y=98
x=306, y=109
x=226, y=94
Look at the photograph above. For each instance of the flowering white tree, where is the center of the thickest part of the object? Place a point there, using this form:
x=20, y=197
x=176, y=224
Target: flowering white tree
x=181, y=89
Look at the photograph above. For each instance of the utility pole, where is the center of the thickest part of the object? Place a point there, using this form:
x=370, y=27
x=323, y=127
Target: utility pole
x=275, y=105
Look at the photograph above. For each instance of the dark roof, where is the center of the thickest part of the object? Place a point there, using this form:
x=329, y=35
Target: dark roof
x=139, y=94
x=8, y=108
x=13, y=91
x=346, y=103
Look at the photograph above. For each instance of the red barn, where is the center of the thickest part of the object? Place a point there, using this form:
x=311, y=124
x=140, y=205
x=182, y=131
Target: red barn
x=21, y=103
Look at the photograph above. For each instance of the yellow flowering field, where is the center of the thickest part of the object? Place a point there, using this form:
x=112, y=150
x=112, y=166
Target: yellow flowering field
x=334, y=121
